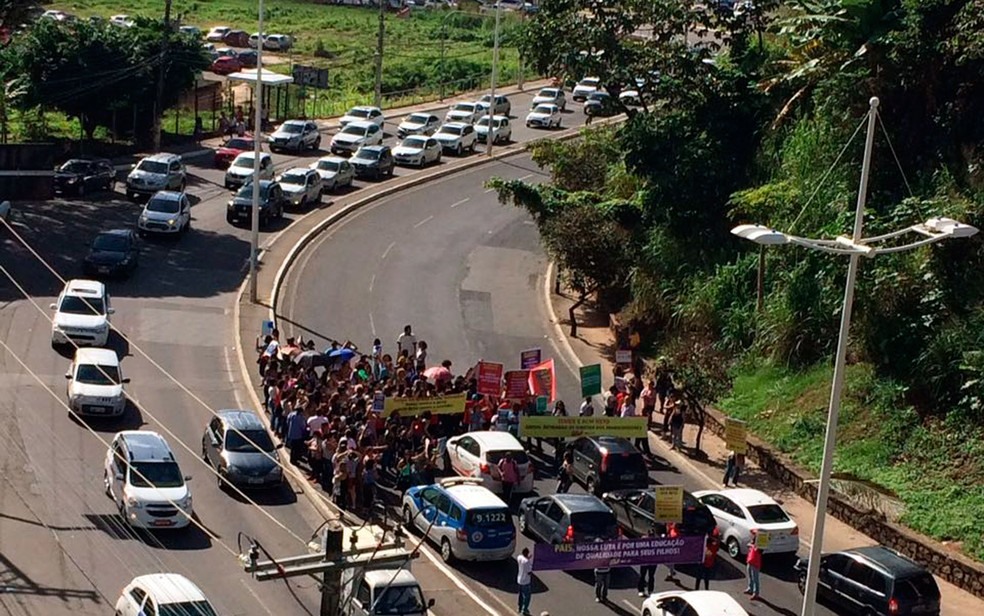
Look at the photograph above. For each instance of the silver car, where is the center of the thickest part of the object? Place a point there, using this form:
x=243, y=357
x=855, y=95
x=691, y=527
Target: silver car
x=166, y=212
x=295, y=135
x=334, y=171
x=154, y=173
x=238, y=446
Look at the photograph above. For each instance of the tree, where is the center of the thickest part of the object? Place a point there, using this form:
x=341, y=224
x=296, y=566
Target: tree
x=14, y=13
x=700, y=375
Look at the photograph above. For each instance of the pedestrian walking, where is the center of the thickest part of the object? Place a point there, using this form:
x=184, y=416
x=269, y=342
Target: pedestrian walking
x=649, y=400
x=706, y=569
x=407, y=342
x=296, y=431
x=732, y=469
x=647, y=573
x=587, y=408
x=672, y=533
x=508, y=476
x=676, y=426
x=603, y=578
x=524, y=577
x=753, y=567
x=566, y=474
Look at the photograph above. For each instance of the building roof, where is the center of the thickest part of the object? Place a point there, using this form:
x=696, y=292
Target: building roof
x=269, y=78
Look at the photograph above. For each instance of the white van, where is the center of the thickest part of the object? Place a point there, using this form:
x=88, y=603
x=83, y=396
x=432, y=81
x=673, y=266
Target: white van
x=95, y=383
x=144, y=480
x=477, y=454
x=81, y=314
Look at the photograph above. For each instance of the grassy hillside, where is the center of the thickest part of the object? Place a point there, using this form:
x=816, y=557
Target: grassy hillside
x=936, y=469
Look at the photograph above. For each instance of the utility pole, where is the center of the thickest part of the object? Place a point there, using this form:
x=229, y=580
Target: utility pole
x=159, y=98
x=379, y=53
x=331, y=586
x=495, y=68
x=254, y=243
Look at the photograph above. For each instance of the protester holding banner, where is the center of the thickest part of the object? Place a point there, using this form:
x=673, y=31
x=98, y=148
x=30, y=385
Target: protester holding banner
x=706, y=569
x=603, y=576
x=647, y=574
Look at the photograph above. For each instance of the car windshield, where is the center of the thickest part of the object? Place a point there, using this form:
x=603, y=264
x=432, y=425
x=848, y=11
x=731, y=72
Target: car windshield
x=469, y=107
x=598, y=96
x=246, y=192
x=519, y=456
x=166, y=206
x=546, y=109
x=75, y=166
x=489, y=517
x=110, y=242
x=93, y=374
x=186, y=608
x=633, y=463
x=414, y=142
x=152, y=166
x=593, y=522
x=247, y=441
x=292, y=128
x=156, y=475
x=329, y=165
x=79, y=305
x=397, y=600
x=243, y=161
x=451, y=130
x=768, y=514
x=368, y=154
x=359, y=113
x=239, y=144
x=590, y=82
x=354, y=130
x=293, y=178
x=418, y=118
x=548, y=92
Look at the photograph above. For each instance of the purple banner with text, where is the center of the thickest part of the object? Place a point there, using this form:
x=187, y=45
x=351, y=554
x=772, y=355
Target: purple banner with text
x=619, y=553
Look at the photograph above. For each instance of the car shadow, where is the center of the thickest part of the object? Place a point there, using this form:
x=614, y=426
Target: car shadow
x=283, y=495
x=192, y=537
x=131, y=419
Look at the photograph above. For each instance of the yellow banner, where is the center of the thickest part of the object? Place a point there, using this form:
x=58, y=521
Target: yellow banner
x=669, y=504
x=408, y=407
x=570, y=427
x=735, y=432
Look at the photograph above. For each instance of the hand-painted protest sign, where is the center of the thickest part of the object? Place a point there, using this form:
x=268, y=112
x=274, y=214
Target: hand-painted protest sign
x=590, y=380
x=489, y=378
x=621, y=553
x=623, y=356
x=541, y=405
x=543, y=381
x=570, y=427
x=529, y=358
x=735, y=432
x=378, y=402
x=669, y=504
x=517, y=383
x=440, y=405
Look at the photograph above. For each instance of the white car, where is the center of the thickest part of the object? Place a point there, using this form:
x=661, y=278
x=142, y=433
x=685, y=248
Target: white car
x=301, y=185
x=166, y=212
x=463, y=112
x=334, y=172
x=240, y=171
x=739, y=511
x=417, y=150
x=418, y=124
x=544, y=115
x=354, y=136
x=95, y=383
x=277, y=42
x=584, y=88
x=363, y=113
x=124, y=21
x=254, y=39
x=501, y=129
x=144, y=480
x=552, y=96
x=163, y=594
x=81, y=314
x=692, y=603
x=217, y=34
x=477, y=454
x=456, y=137
x=502, y=105
x=295, y=135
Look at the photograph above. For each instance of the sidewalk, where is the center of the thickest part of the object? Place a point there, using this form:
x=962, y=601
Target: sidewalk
x=593, y=344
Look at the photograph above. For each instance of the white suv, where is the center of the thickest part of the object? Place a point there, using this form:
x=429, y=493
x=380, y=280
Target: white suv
x=144, y=480
x=154, y=173
x=456, y=137
x=301, y=185
x=241, y=170
x=81, y=314
x=95, y=383
x=163, y=593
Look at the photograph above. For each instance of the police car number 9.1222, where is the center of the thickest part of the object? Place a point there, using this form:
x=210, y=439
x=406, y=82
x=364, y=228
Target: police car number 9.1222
x=490, y=518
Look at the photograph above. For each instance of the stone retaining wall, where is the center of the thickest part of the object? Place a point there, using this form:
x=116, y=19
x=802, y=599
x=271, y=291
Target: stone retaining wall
x=951, y=566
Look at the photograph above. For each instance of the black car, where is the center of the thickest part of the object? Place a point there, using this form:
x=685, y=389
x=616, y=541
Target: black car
x=636, y=513
x=373, y=161
x=567, y=518
x=600, y=104
x=113, y=253
x=247, y=58
x=605, y=463
x=272, y=203
x=875, y=581
x=81, y=175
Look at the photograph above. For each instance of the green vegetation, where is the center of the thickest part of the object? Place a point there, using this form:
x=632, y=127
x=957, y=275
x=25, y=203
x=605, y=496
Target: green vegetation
x=752, y=127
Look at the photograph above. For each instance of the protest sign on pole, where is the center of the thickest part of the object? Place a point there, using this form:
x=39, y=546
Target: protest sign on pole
x=541, y=405
x=543, y=380
x=378, y=402
x=440, y=405
x=572, y=427
x=590, y=380
x=517, y=383
x=620, y=553
x=529, y=358
x=669, y=504
x=489, y=378
x=623, y=356
x=735, y=433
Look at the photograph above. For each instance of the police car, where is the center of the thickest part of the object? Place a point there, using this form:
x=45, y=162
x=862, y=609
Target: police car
x=465, y=519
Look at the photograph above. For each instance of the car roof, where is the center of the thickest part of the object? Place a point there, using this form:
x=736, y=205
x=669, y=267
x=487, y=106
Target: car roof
x=162, y=157
x=495, y=117
x=361, y=124
x=386, y=577
x=286, y=122
x=85, y=288
x=304, y=170
x=613, y=444
x=473, y=496
x=251, y=153
x=167, y=195
x=493, y=439
x=334, y=159
x=429, y=116
x=365, y=108
x=86, y=160
x=375, y=148
x=707, y=602
x=456, y=124
x=146, y=446
x=575, y=503
x=117, y=232
x=170, y=587
x=96, y=355
x=887, y=559
x=239, y=419
x=748, y=497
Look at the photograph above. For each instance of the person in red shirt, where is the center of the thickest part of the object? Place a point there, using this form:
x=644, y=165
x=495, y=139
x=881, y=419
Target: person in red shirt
x=672, y=533
x=753, y=566
x=706, y=569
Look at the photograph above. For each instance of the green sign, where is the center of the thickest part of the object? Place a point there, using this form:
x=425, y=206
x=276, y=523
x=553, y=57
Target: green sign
x=590, y=380
x=541, y=405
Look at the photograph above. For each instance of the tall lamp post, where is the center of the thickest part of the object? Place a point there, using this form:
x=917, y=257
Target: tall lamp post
x=489, y=139
x=854, y=247
x=254, y=242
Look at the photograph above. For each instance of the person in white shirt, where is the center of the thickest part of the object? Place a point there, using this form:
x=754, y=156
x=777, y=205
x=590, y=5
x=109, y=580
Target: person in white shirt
x=587, y=408
x=407, y=342
x=524, y=577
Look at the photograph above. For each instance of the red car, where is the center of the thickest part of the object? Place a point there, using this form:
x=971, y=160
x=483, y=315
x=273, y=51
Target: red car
x=226, y=65
x=233, y=148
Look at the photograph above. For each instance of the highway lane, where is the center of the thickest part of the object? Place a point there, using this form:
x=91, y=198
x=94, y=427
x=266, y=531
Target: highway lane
x=60, y=535
x=468, y=274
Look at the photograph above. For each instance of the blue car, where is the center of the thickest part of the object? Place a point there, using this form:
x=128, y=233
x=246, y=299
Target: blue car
x=465, y=519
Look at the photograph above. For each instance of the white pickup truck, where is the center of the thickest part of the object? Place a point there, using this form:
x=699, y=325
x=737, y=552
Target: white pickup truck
x=387, y=589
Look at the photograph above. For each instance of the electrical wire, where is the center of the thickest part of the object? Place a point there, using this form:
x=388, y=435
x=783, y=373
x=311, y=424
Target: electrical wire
x=894, y=155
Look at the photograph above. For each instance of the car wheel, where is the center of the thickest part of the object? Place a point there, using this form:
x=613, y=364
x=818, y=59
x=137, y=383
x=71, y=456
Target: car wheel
x=229, y=219
x=646, y=613
x=390, y=172
x=304, y=202
x=471, y=148
x=734, y=548
x=317, y=144
x=81, y=190
x=458, y=150
x=106, y=489
x=407, y=517
x=205, y=454
x=183, y=185
x=220, y=481
x=446, y=554
x=522, y=523
x=801, y=582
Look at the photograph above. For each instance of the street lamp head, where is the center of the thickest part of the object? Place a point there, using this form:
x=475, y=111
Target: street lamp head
x=761, y=235
x=949, y=226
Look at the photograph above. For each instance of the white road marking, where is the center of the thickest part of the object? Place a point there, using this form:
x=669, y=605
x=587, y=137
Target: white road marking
x=457, y=203
x=372, y=325
x=631, y=606
x=451, y=575
x=423, y=222
x=388, y=249
x=235, y=389
x=488, y=190
x=372, y=281
x=525, y=177
x=257, y=597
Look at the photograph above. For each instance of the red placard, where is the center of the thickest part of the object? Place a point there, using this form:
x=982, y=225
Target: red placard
x=517, y=384
x=489, y=378
x=543, y=381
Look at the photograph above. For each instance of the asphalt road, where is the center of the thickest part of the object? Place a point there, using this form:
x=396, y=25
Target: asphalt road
x=62, y=547
x=468, y=274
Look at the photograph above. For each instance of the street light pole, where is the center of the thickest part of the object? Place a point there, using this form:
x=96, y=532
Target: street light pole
x=490, y=135
x=254, y=244
x=379, y=53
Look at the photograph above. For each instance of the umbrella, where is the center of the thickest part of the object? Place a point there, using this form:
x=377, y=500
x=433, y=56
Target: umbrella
x=438, y=373
x=311, y=359
x=342, y=354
